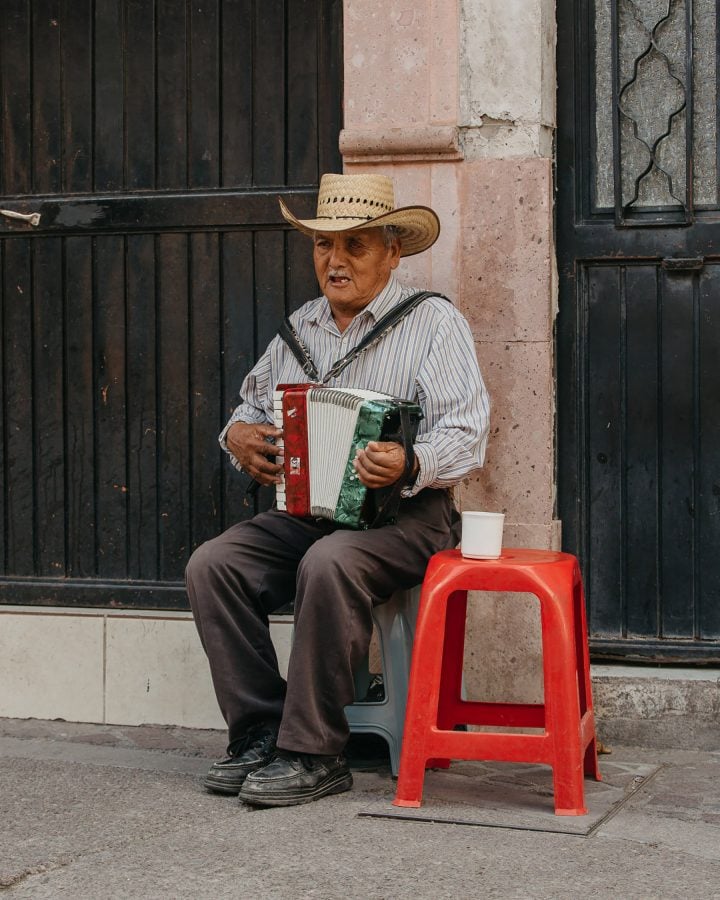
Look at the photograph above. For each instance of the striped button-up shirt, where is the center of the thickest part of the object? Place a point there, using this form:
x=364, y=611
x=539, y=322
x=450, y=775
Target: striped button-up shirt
x=429, y=358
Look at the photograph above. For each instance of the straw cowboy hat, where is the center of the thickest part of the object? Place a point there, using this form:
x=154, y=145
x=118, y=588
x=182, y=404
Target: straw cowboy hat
x=352, y=202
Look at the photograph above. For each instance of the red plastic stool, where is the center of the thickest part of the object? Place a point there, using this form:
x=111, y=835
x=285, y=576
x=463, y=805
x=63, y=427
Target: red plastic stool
x=435, y=705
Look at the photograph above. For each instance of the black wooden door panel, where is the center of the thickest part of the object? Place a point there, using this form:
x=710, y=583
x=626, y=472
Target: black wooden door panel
x=649, y=510
x=639, y=326
x=125, y=95
x=114, y=396
x=153, y=139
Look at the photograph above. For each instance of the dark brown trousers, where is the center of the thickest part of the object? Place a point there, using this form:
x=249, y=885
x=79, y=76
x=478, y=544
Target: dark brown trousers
x=335, y=577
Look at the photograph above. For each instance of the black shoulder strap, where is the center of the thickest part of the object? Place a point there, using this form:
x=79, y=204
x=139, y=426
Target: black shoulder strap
x=388, y=321
x=298, y=349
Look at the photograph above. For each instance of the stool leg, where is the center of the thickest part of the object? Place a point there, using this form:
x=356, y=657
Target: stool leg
x=449, y=709
x=590, y=761
x=449, y=705
x=562, y=701
x=569, y=789
x=396, y=666
x=423, y=693
x=393, y=622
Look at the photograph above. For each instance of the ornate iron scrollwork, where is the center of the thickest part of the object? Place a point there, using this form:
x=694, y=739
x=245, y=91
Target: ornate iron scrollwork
x=652, y=127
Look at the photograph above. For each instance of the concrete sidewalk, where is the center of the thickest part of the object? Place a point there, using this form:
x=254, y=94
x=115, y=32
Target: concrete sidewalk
x=96, y=811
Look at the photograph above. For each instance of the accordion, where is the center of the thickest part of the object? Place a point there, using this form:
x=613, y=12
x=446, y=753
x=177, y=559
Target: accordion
x=322, y=430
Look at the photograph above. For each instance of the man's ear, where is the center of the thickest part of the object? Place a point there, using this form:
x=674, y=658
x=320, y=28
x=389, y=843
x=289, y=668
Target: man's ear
x=395, y=258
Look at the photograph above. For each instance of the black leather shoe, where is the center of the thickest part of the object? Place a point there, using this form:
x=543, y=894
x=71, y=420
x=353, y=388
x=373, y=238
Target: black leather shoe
x=293, y=778
x=253, y=752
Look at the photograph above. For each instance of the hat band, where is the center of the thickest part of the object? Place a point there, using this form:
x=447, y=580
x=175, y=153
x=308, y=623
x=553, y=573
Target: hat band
x=334, y=218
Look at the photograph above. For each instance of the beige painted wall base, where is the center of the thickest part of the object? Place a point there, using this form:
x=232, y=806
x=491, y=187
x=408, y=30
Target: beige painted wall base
x=130, y=669
x=111, y=667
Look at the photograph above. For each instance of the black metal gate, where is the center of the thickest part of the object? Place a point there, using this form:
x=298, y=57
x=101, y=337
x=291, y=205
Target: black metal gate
x=153, y=138
x=639, y=326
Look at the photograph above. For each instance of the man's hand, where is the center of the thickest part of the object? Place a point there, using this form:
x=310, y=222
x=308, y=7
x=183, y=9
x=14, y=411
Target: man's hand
x=381, y=463
x=247, y=444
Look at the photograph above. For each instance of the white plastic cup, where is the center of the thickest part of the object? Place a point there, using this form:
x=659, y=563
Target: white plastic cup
x=482, y=535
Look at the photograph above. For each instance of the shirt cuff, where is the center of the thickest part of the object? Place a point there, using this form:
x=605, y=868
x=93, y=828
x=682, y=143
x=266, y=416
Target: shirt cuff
x=427, y=459
x=222, y=439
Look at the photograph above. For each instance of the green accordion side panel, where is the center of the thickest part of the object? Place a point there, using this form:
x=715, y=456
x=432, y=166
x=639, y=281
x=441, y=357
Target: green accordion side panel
x=378, y=420
x=369, y=427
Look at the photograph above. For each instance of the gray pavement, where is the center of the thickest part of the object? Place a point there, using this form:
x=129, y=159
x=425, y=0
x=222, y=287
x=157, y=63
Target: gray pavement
x=91, y=811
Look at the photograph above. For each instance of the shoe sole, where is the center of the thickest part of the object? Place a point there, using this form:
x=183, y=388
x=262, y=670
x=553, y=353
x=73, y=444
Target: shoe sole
x=219, y=787
x=341, y=782
x=228, y=787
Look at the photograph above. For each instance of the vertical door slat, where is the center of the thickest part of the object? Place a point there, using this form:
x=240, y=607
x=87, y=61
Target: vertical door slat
x=110, y=407
x=16, y=81
x=204, y=101
x=238, y=356
x=269, y=103
x=139, y=90
x=80, y=408
x=171, y=100
x=108, y=96
x=205, y=385
x=174, y=420
x=49, y=418
x=708, y=493
x=76, y=30
x=237, y=85
x=641, y=454
x=47, y=104
x=142, y=408
x=677, y=461
x=302, y=98
x=19, y=406
x=604, y=387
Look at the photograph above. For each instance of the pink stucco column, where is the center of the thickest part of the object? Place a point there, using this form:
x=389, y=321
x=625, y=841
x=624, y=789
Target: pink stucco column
x=455, y=100
x=404, y=89
x=401, y=102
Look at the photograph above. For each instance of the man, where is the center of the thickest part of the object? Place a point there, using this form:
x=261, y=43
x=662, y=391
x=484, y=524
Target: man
x=286, y=739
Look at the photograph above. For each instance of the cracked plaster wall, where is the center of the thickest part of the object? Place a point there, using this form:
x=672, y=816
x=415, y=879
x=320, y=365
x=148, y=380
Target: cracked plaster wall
x=507, y=77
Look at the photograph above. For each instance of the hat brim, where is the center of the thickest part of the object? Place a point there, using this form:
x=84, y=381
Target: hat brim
x=419, y=226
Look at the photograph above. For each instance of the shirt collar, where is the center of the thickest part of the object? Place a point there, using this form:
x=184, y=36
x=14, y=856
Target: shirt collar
x=319, y=312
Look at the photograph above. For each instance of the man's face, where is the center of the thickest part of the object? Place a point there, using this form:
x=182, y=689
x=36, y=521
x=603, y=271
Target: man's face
x=353, y=267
